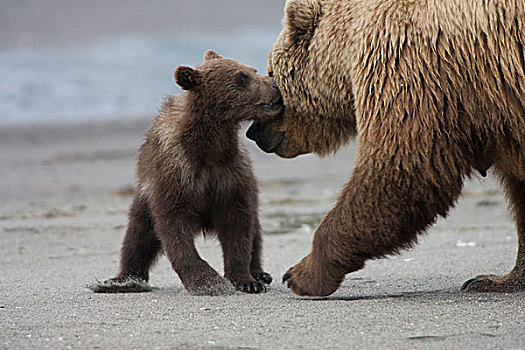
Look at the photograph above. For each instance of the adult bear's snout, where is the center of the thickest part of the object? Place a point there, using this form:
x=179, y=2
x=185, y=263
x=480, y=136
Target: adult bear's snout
x=252, y=132
x=265, y=138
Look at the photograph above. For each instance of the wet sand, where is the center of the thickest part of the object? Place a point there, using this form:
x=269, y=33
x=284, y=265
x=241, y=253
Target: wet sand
x=65, y=192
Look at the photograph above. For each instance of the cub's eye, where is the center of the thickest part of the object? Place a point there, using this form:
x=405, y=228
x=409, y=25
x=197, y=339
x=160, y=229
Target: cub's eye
x=242, y=79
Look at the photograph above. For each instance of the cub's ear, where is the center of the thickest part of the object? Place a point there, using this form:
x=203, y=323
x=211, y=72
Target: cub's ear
x=187, y=77
x=302, y=18
x=211, y=55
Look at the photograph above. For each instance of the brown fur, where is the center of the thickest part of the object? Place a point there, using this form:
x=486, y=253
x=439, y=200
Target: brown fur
x=194, y=176
x=434, y=88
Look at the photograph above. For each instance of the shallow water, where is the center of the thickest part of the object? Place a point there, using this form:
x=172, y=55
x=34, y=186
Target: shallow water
x=120, y=76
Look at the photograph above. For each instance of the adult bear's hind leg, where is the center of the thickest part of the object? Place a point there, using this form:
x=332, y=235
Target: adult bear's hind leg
x=514, y=281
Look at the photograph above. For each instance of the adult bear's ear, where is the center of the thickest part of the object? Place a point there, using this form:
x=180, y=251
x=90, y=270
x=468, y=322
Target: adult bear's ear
x=302, y=18
x=187, y=77
x=211, y=55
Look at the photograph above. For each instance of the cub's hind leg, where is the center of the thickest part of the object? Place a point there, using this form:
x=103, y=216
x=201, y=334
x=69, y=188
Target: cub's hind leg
x=139, y=252
x=176, y=229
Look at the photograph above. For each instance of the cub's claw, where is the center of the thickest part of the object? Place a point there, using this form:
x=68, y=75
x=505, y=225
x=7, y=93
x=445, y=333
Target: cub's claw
x=263, y=277
x=252, y=283
x=253, y=287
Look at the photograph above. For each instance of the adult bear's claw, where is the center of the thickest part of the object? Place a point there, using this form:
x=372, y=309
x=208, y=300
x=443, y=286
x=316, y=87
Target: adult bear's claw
x=512, y=282
x=471, y=284
x=286, y=277
x=311, y=278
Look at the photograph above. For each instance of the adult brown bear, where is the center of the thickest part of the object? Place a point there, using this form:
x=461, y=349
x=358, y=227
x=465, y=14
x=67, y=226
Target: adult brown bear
x=434, y=88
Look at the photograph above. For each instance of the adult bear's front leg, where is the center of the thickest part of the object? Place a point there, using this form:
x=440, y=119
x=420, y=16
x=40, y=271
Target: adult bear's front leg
x=321, y=272
x=380, y=211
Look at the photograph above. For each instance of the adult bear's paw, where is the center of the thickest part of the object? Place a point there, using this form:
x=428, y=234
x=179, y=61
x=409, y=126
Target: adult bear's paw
x=509, y=283
x=309, y=278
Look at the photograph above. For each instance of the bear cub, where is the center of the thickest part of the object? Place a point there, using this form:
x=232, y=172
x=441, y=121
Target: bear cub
x=194, y=176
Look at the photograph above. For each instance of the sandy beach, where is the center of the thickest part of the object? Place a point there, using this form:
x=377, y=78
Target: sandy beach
x=66, y=187
x=66, y=190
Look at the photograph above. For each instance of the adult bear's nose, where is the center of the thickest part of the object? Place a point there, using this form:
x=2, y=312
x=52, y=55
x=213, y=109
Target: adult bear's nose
x=252, y=132
x=266, y=139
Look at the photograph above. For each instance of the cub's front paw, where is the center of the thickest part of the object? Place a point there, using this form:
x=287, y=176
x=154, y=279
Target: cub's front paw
x=247, y=283
x=254, y=287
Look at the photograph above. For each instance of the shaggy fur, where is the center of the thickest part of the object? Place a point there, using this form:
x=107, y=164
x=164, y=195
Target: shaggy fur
x=435, y=90
x=194, y=176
